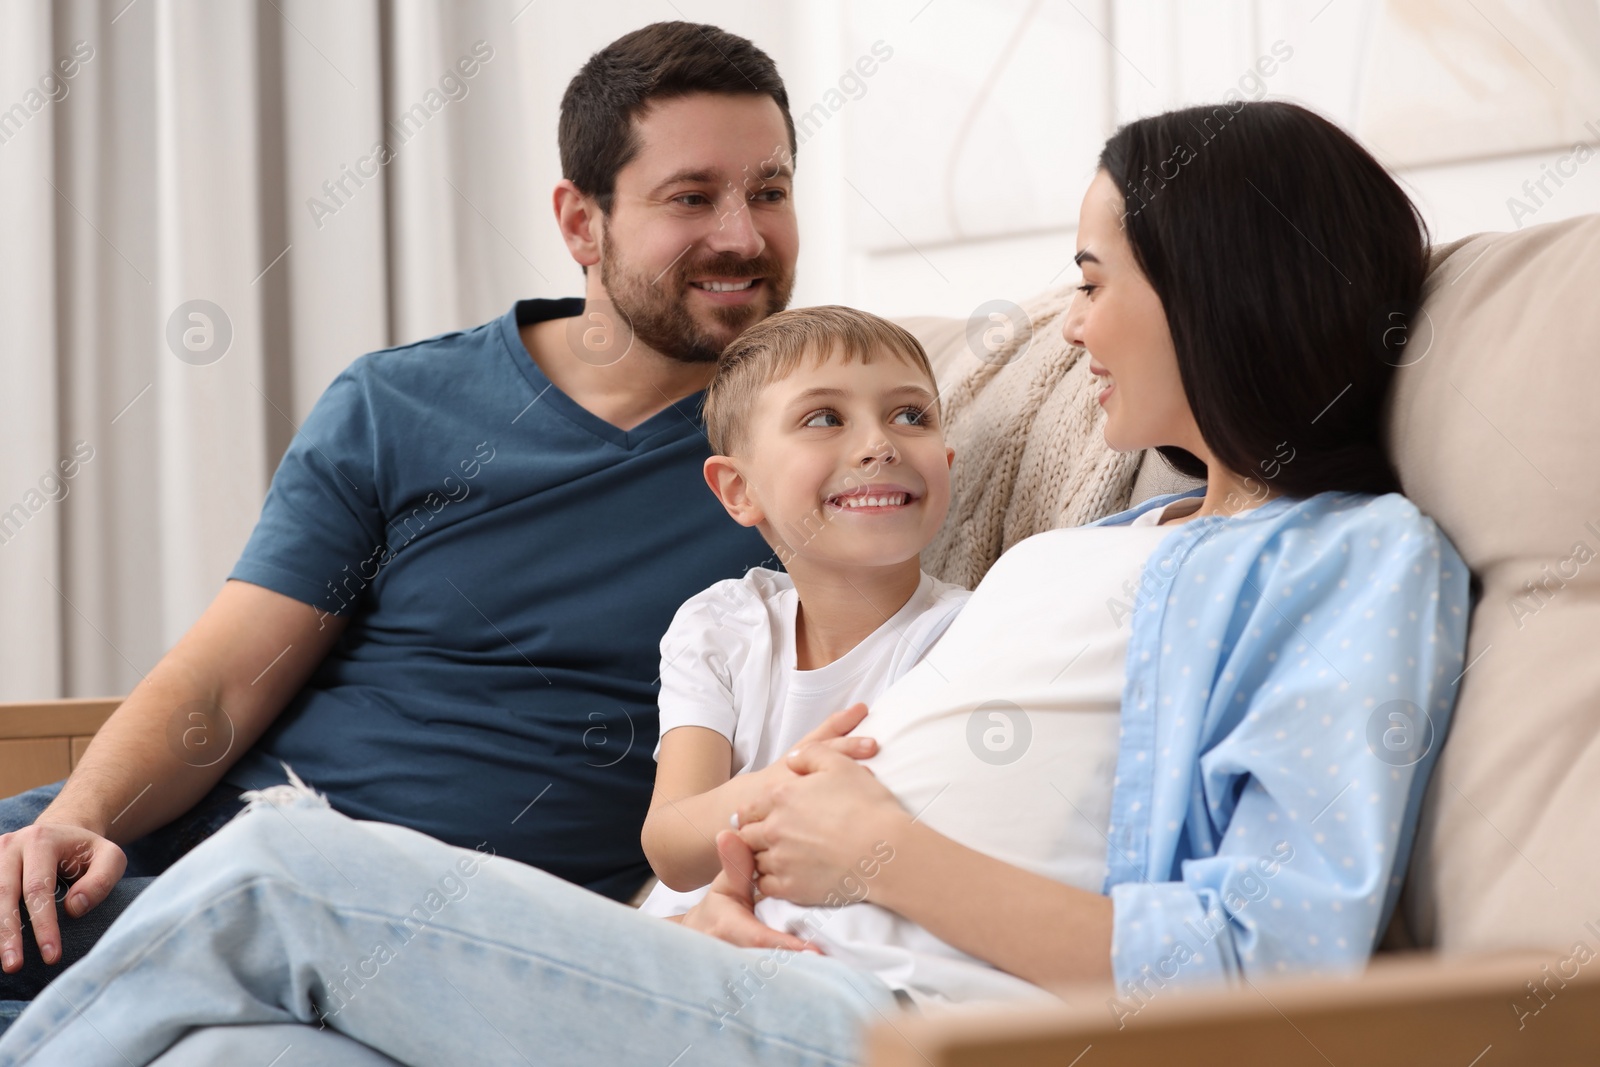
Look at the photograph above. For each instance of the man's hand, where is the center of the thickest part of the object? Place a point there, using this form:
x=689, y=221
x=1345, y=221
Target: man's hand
x=246, y=657
x=31, y=860
x=728, y=910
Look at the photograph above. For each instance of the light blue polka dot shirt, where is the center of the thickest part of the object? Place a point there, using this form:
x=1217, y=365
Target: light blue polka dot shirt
x=1291, y=673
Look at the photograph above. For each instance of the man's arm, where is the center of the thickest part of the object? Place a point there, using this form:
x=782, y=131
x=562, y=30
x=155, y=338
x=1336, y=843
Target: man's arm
x=248, y=655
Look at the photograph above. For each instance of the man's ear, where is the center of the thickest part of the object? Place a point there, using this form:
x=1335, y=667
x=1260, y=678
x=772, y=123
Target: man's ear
x=578, y=218
x=730, y=487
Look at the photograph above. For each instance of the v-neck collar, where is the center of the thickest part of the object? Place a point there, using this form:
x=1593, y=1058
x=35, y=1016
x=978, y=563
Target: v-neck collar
x=678, y=416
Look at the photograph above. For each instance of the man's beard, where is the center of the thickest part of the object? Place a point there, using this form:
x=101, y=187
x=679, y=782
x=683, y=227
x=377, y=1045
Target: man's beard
x=656, y=303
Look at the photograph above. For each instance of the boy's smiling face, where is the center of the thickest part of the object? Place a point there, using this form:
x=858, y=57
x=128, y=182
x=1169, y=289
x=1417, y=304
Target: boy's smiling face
x=842, y=463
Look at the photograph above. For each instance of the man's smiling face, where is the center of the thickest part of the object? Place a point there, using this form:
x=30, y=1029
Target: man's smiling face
x=701, y=240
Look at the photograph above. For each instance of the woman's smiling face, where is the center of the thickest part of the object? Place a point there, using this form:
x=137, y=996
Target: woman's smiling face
x=1118, y=318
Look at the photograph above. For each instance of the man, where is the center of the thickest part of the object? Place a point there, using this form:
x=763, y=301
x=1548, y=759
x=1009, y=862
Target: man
x=448, y=614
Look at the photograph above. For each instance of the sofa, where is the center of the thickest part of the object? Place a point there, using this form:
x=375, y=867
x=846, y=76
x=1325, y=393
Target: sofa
x=1493, y=955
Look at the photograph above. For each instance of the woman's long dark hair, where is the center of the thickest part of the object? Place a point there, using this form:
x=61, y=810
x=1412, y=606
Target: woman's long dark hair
x=1290, y=265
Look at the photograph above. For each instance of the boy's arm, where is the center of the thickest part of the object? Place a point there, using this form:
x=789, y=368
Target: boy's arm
x=696, y=794
x=694, y=782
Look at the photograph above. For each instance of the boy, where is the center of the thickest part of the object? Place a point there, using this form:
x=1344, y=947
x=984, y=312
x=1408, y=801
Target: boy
x=826, y=426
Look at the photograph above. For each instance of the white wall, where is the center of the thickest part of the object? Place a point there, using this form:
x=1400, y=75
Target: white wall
x=947, y=144
x=951, y=174
x=967, y=154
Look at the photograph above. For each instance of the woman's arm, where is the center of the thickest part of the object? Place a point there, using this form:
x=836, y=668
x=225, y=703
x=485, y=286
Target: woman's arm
x=695, y=796
x=1031, y=926
x=834, y=827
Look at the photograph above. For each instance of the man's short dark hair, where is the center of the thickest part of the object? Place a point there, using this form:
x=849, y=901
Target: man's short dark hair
x=660, y=61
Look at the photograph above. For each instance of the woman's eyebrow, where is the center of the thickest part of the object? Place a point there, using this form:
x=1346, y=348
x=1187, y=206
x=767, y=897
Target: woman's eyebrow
x=1085, y=256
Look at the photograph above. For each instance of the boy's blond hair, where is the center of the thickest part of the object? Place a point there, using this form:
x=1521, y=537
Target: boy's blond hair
x=770, y=351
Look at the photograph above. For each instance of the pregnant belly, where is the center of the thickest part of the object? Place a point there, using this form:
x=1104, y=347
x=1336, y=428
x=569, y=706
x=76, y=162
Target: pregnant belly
x=1005, y=736
x=1025, y=777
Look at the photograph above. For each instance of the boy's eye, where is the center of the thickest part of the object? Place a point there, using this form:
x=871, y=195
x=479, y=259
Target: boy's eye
x=811, y=420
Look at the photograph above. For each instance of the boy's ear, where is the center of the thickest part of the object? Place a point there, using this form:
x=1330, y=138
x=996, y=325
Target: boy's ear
x=578, y=218
x=731, y=488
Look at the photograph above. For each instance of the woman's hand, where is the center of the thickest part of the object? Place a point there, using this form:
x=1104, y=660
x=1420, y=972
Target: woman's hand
x=694, y=797
x=820, y=838
x=833, y=735
x=728, y=910
x=836, y=836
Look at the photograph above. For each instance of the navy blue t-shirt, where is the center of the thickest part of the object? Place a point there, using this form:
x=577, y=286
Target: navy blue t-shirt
x=509, y=563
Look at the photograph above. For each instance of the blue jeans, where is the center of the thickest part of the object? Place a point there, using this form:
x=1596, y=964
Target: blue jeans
x=424, y=953
x=147, y=857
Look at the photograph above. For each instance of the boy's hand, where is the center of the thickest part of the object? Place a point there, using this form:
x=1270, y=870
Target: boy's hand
x=693, y=803
x=831, y=735
x=833, y=730
x=728, y=910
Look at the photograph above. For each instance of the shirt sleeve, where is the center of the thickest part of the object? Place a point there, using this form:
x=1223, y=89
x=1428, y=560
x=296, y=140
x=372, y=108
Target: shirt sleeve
x=700, y=652
x=321, y=534
x=1328, y=713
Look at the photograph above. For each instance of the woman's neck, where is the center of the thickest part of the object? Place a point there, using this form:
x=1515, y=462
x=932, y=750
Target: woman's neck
x=1227, y=493
x=840, y=607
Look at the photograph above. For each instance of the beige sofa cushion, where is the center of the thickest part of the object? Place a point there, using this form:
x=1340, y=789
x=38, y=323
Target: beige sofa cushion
x=1494, y=430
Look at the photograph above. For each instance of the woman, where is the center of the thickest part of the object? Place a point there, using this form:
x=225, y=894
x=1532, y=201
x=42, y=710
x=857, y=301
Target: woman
x=1185, y=744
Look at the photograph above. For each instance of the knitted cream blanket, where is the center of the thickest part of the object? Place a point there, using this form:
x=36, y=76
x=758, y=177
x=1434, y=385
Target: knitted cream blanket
x=1028, y=436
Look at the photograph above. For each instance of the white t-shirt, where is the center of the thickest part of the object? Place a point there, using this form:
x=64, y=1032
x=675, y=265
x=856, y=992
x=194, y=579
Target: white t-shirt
x=728, y=664
x=1032, y=787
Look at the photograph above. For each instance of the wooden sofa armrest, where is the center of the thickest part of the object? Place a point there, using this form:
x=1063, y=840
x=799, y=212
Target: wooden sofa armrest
x=41, y=741
x=1528, y=1009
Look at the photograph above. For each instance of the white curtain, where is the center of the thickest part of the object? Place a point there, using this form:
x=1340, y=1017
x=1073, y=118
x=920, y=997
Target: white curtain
x=157, y=153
